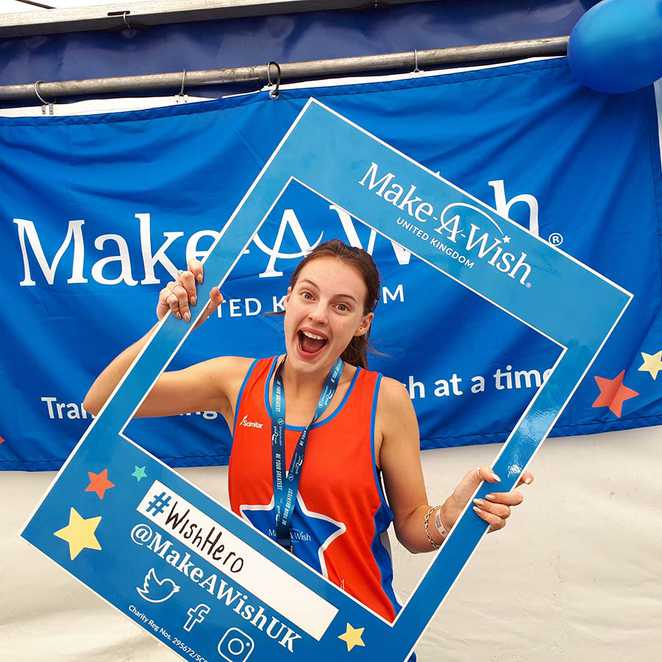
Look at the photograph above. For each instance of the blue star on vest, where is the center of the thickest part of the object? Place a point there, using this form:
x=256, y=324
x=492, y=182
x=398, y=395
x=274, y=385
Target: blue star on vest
x=312, y=532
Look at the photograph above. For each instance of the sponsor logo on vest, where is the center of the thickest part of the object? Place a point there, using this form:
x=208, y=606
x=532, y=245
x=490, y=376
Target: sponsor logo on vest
x=250, y=424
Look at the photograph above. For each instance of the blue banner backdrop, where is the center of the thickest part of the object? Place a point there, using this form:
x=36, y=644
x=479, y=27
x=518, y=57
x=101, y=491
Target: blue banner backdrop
x=99, y=211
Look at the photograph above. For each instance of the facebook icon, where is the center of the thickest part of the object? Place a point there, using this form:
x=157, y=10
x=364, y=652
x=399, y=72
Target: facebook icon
x=196, y=615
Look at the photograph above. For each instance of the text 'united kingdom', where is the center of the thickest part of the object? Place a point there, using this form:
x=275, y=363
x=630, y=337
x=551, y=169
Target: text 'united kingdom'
x=463, y=231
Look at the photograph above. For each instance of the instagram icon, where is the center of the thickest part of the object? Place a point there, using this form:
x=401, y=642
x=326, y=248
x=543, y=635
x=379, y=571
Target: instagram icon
x=235, y=645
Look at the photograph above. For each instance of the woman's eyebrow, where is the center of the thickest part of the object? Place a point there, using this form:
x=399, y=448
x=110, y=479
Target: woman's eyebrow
x=307, y=280
x=349, y=296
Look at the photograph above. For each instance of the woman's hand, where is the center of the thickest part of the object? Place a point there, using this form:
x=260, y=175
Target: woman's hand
x=495, y=509
x=179, y=295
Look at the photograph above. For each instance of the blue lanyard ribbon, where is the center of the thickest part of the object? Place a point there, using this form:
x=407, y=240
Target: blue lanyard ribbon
x=286, y=485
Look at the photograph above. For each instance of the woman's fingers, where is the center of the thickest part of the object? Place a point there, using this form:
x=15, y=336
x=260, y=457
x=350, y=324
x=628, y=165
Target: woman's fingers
x=187, y=281
x=195, y=267
x=505, y=498
x=174, y=297
x=215, y=300
x=525, y=479
x=182, y=295
x=163, y=306
x=216, y=297
x=493, y=520
x=173, y=303
x=486, y=474
x=495, y=508
x=498, y=509
x=495, y=514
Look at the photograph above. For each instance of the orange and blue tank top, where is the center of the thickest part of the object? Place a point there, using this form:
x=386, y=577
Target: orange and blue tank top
x=341, y=516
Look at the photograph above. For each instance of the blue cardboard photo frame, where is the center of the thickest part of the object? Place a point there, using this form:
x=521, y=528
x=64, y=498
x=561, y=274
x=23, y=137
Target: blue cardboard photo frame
x=193, y=593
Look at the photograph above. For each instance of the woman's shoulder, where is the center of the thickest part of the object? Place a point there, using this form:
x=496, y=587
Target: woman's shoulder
x=235, y=369
x=393, y=402
x=392, y=392
x=229, y=365
x=395, y=418
x=228, y=374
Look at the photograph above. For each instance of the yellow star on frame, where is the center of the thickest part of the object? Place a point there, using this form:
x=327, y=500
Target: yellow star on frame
x=352, y=637
x=79, y=533
x=652, y=363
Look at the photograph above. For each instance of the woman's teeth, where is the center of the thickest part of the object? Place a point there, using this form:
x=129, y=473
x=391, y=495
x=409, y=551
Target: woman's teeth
x=312, y=335
x=310, y=343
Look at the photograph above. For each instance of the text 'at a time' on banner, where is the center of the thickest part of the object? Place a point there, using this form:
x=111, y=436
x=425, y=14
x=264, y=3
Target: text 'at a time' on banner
x=199, y=578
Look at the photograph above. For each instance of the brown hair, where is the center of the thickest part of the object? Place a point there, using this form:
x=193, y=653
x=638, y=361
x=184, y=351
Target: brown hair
x=356, y=353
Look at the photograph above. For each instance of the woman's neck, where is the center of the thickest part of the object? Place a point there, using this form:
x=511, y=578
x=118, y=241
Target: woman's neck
x=299, y=384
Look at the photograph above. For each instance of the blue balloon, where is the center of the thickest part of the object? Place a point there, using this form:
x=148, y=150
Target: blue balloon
x=617, y=45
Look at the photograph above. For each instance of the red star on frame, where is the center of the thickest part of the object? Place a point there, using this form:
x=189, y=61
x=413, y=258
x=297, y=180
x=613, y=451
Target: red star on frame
x=613, y=393
x=99, y=483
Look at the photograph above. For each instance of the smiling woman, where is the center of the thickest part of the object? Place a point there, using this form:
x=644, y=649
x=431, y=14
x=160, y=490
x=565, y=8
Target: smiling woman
x=323, y=286
x=327, y=475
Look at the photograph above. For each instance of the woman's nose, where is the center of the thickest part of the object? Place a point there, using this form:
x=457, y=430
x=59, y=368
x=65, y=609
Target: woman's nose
x=318, y=312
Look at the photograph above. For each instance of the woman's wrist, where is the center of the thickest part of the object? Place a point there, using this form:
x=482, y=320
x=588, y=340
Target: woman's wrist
x=440, y=523
x=446, y=512
x=435, y=529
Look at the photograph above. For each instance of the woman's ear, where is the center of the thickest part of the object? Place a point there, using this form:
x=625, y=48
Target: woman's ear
x=287, y=296
x=364, y=327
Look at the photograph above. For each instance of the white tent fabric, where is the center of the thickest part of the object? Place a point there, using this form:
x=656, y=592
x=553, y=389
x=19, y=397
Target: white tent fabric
x=575, y=574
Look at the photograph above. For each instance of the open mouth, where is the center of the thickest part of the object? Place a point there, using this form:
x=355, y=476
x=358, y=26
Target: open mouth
x=310, y=343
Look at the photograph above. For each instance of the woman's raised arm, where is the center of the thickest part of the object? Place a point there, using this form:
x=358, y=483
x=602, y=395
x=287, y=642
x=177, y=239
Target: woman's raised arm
x=207, y=386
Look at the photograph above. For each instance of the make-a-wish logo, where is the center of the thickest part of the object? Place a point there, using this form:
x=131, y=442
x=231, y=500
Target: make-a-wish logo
x=456, y=227
x=465, y=232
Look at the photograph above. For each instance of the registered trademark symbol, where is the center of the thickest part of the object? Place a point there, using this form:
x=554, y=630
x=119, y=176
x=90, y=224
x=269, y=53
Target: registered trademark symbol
x=555, y=239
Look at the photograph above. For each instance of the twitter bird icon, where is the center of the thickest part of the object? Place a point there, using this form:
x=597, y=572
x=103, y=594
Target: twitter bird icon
x=157, y=590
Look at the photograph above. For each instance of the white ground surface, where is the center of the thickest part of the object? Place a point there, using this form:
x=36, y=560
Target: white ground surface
x=575, y=575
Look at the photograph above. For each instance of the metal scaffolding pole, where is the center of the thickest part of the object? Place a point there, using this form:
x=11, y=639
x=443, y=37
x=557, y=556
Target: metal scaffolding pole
x=289, y=71
x=158, y=12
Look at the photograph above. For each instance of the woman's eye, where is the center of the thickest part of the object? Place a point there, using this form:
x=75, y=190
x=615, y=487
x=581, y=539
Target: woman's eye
x=343, y=307
x=306, y=295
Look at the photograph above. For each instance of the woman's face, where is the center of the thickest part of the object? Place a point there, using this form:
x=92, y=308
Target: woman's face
x=323, y=312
